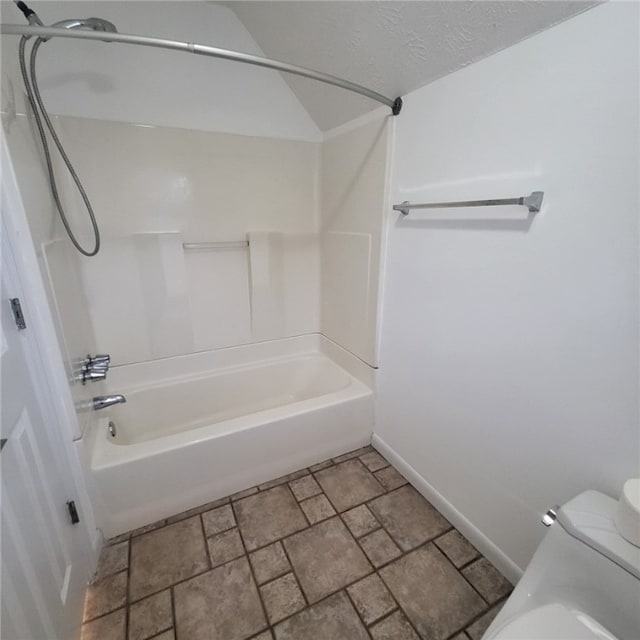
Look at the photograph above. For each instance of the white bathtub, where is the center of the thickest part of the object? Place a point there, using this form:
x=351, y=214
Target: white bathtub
x=199, y=427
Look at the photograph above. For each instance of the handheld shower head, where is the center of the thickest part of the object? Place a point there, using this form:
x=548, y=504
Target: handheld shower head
x=92, y=24
x=95, y=24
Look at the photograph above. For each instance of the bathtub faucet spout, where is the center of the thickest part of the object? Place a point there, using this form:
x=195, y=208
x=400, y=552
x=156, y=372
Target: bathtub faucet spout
x=102, y=402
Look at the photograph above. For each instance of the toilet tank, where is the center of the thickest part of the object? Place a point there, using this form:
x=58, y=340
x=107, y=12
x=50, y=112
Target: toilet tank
x=584, y=564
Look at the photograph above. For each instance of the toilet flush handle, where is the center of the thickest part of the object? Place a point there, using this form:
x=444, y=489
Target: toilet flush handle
x=550, y=517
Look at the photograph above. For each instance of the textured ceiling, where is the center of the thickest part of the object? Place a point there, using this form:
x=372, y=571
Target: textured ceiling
x=391, y=47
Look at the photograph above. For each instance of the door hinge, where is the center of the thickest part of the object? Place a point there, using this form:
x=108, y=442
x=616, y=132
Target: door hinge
x=73, y=512
x=18, y=316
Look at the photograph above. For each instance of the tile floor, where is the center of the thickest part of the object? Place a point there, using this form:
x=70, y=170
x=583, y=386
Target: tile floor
x=344, y=550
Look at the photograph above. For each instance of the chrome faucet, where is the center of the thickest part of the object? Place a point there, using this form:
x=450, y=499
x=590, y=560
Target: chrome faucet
x=102, y=402
x=94, y=368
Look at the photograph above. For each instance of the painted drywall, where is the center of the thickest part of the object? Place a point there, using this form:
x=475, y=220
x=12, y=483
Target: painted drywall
x=509, y=352
x=393, y=47
x=155, y=188
x=152, y=86
x=353, y=193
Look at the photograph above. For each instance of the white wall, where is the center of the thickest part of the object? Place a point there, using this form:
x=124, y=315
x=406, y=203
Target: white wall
x=136, y=84
x=353, y=191
x=509, y=354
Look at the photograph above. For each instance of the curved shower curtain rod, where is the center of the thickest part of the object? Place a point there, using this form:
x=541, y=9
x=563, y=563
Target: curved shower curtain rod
x=203, y=50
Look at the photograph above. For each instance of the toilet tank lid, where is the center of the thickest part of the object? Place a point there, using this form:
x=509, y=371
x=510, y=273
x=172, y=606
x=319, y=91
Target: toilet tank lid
x=589, y=518
x=553, y=622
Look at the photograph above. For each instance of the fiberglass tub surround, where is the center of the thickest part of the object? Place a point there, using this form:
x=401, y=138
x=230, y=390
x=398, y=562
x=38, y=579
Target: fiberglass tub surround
x=205, y=425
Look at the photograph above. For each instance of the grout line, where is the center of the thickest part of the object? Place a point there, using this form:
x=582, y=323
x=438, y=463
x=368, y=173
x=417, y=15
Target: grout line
x=399, y=606
x=104, y=615
x=126, y=600
x=295, y=575
x=353, y=604
x=173, y=614
x=467, y=564
x=206, y=540
x=389, y=613
x=475, y=618
x=253, y=575
x=169, y=586
x=469, y=581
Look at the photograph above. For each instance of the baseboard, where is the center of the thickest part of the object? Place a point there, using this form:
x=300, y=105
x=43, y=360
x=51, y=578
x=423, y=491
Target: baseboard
x=479, y=540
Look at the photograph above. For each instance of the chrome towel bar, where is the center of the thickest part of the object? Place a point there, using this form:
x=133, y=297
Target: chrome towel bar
x=533, y=202
x=212, y=246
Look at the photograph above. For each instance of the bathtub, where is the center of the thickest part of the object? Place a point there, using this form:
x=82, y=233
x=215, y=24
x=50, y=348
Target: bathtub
x=202, y=426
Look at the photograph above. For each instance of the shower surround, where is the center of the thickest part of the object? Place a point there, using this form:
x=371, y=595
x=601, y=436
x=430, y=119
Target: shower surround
x=237, y=293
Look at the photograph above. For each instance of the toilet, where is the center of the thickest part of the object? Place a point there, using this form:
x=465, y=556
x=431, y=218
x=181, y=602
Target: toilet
x=583, y=582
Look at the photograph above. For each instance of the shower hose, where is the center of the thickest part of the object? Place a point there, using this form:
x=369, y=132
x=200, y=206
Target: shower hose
x=40, y=114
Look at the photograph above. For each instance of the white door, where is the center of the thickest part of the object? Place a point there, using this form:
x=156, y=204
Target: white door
x=45, y=559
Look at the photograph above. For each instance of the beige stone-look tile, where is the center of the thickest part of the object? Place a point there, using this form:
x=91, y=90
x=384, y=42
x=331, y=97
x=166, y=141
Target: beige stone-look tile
x=225, y=546
x=166, y=635
x=326, y=558
x=197, y=510
x=457, y=548
x=491, y=584
x=118, y=539
x=265, y=635
x=304, y=488
x=332, y=619
x=395, y=627
x=105, y=595
x=460, y=636
x=111, y=627
x=166, y=556
x=434, y=596
x=348, y=484
x=268, y=516
x=218, y=520
x=317, y=509
x=282, y=597
x=352, y=454
x=243, y=494
x=360, y=521
x=149, y=617
x=390, y=478
x=281, y=480
x=379, y=547
x=476, y=630
x=113, y=559
x=373, y=461
x=148, y=527
x=408, y=517
x=321, y=465
x=269, y=562
x=371, y=598
x=222, y=603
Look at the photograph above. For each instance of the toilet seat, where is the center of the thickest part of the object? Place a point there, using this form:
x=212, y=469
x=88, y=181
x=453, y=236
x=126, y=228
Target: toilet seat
x=553, y=622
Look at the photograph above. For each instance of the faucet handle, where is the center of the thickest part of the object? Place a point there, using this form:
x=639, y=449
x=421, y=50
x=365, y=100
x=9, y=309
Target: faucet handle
x=93, y=375
x=103, y=359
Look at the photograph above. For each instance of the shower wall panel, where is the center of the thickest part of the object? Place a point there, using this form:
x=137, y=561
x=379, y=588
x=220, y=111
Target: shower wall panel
x=354, y=198
x=155, y=188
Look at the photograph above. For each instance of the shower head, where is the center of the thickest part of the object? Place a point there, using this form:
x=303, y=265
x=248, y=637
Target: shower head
x=94, y=24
